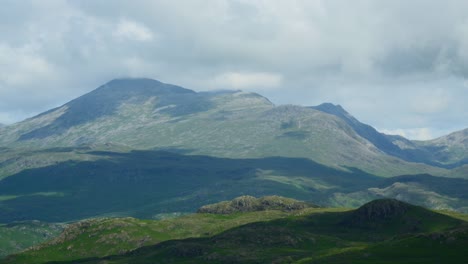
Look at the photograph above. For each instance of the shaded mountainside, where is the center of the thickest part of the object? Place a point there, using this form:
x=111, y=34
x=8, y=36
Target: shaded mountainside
x=147, y=183
x=382, y=231
x=67, y=177
x=148, y=114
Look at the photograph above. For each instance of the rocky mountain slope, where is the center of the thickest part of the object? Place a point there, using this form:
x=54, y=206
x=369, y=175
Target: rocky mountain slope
x=451, y=149
x=147, y=114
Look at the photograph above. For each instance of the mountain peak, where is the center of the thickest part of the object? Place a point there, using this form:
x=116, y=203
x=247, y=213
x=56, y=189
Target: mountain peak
x=105, y=101
x=333, y=109
x=141, y=85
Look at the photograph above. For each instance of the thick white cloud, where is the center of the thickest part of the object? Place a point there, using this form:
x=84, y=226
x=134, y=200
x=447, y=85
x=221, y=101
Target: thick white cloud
x=394, y=64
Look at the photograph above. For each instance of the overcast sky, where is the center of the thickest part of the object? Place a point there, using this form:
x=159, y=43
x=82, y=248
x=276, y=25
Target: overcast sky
x=400, y=66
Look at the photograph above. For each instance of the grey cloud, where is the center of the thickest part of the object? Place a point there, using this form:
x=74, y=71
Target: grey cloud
x=379, y=59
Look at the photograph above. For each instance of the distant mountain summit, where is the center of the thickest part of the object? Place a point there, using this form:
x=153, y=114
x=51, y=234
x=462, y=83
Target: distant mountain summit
x=140, y=113
x=392, y=145
x=105, y=101
x=140, y=86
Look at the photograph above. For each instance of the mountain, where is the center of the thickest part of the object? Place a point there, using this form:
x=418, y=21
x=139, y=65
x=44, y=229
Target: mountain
x=148, y=114
x=141, y=148
x=450, y=149
x=381, y=231
x=448, y=152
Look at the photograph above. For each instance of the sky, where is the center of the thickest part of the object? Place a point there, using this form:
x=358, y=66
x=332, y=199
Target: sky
x=400, y=66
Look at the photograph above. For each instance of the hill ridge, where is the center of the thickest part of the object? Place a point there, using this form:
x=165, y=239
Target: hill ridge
x=247, y=203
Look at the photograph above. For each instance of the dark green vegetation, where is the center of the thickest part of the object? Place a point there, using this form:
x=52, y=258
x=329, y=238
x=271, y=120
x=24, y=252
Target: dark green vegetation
x=382, y=231
x=20, y=235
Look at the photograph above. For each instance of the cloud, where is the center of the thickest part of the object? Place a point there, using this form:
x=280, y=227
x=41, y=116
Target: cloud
x=237, y=80
x=131, y=30
x=23, y=66
x=387, y=62
x=431, y=101
x=423, y=133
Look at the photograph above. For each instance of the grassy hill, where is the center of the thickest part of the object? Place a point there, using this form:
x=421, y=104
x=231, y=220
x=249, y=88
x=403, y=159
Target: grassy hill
x=109, y=236
x=382, y=231
x=18, y=236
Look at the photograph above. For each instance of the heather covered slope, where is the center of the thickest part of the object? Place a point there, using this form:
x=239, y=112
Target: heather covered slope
x=382, y=231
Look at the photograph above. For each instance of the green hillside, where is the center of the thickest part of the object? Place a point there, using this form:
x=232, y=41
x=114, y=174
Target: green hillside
x=382, y=231
x=15, y=237
x=109, y=236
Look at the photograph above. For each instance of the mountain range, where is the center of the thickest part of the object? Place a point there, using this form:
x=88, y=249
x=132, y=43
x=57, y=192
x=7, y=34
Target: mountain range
x=148, y=114
x=140, y=147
